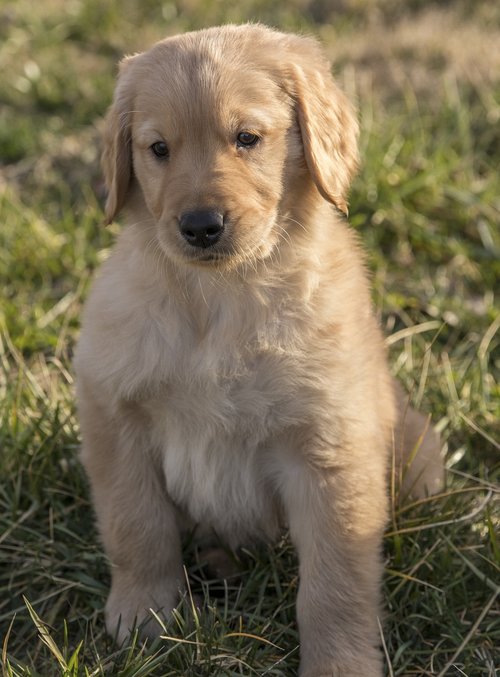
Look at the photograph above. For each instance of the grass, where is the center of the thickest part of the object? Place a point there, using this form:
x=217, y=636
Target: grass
x=427, y=207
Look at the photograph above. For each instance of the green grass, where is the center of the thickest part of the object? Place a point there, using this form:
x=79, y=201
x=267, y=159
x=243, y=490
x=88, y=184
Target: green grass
x=427, y=206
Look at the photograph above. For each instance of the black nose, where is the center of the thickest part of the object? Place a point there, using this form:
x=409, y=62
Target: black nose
x=201, y=228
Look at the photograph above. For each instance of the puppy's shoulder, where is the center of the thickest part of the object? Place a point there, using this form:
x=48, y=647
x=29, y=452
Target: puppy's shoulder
x=344, y=285
x=119, y=314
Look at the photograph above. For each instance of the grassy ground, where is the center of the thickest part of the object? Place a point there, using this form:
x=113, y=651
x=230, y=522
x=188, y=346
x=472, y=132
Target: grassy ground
x=427, y=205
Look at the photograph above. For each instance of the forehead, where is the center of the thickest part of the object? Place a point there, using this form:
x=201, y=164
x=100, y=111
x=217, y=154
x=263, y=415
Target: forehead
x=210, y=81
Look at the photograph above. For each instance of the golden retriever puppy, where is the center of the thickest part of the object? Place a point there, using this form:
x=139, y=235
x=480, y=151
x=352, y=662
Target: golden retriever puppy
x=230, y=371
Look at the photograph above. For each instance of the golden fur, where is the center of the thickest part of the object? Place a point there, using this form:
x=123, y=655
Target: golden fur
x=241, y=386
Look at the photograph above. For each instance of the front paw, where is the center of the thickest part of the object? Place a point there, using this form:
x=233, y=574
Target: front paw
x=344, y=671
x=129, y=608
x=359, y=667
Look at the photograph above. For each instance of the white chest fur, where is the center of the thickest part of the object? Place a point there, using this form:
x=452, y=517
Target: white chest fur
x=216, y=435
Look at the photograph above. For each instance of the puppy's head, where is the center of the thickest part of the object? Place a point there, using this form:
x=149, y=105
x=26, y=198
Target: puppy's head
x=217, y=132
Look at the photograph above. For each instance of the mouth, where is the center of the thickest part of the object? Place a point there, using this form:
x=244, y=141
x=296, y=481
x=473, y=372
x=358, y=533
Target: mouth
x=222, y=264
x=209, y=258
x=224, y=258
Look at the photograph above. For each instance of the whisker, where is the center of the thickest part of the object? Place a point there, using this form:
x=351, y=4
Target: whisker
x=286, y=217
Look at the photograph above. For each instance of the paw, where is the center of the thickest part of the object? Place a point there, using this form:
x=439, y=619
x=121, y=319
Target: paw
x=344, y=671
x=129, y=608
x=358, y=667
x=218, y=563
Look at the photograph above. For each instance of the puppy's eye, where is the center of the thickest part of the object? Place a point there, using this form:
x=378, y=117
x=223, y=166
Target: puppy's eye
x=246, y=139
x=160, y=149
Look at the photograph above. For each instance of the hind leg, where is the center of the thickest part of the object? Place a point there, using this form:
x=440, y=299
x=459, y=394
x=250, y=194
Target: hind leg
x=418, y=461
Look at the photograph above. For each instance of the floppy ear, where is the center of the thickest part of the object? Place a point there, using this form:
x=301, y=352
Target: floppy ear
x=116, y=158
x=328, y=124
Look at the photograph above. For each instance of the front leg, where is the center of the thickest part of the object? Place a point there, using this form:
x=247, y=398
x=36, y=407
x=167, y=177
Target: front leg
x=136, y=519
x=336, y=509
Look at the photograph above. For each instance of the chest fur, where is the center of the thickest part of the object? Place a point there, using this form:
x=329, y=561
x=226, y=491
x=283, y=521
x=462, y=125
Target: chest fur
x=216, y=433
